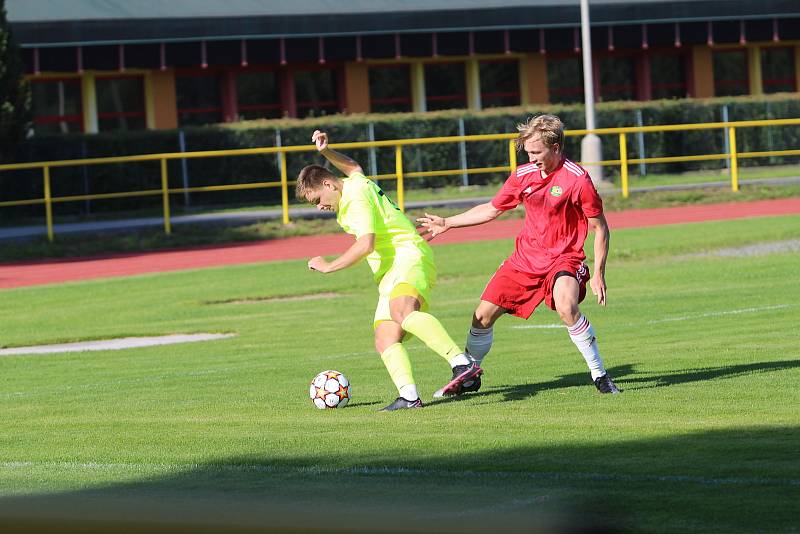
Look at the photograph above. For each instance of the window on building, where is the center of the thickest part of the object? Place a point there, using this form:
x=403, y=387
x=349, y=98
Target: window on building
x=316, y=92
x=499, y=83
x=778, y=70
x=198, y=99
x=730, y=73
x=56, y=106
x=120, y=103
x=390, y=88
x=565, y=79
x=258, y=95
x=445, y=86
x=668, y=76
x=617, y=78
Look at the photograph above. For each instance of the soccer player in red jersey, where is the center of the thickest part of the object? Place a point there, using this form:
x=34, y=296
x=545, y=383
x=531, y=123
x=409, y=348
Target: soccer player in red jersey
x=561, y=206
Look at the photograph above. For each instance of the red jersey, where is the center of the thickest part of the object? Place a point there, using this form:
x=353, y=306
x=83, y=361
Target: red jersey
x=556, y=209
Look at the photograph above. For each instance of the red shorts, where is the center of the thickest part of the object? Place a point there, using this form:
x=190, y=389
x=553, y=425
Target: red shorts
x=520, y=293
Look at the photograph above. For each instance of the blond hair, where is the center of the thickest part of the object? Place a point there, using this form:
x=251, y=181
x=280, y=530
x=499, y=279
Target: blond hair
x=310, y=179
x=548, y=127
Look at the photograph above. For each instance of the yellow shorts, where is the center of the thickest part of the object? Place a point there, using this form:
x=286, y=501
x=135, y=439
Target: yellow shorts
x=413, y=278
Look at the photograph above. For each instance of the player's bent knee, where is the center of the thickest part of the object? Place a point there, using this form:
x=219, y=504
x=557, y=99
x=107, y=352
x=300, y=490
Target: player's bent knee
x=481, y=321
x=402, y=306
x=399, y=316
x=568, y=311
x=382, y=344
x=387, y=333
x=484, y=318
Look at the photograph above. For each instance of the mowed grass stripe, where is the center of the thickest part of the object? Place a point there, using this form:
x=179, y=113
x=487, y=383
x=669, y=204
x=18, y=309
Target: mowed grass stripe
x=156, y=469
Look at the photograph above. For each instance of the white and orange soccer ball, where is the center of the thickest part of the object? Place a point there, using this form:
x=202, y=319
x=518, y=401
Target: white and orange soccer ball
x=330, y=389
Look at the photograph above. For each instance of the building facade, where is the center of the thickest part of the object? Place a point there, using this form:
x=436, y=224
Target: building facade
x=100, y=65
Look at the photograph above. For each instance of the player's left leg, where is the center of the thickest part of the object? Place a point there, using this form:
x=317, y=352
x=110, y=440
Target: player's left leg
x=566, y=297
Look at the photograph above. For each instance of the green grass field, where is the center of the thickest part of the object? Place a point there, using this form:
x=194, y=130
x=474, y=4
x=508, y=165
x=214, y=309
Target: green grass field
x=705, y=436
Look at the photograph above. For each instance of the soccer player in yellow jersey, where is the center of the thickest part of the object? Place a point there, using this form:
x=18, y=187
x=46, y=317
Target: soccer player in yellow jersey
x=402, y=263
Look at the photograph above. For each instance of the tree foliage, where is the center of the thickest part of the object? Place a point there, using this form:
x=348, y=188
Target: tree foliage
x=15, y=98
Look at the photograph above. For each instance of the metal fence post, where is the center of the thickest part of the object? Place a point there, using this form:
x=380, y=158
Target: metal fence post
x=640, y=143
x=398, y=166
x=373, y=160
x=284, y=189
x=726, y=135
x=512, y=155
x=278, y=144
x=165, y=196
x=772, y=159
x=48, y=203
x=462, y=152
x=84, y=154
x=623, y=164
x=184, y=168
x=734, y=163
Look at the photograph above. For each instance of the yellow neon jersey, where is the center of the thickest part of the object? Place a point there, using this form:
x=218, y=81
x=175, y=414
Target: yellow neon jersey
x=365, y=209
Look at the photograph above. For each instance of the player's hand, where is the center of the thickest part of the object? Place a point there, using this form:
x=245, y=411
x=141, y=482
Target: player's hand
x=432, y=225
x=598, y=285
x=320, y=139
x=318, y=263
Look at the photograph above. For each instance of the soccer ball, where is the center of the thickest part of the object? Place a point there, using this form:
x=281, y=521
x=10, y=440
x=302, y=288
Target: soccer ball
x=330, y=389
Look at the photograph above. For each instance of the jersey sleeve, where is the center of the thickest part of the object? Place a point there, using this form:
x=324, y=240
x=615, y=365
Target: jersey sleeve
x=588, y=198
x=509, y=195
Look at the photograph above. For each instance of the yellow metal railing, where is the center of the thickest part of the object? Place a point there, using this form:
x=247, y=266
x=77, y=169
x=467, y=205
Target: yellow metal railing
x=399, y=175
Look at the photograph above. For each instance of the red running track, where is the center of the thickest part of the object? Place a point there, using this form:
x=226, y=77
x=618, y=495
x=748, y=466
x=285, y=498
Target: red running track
x=57, y=271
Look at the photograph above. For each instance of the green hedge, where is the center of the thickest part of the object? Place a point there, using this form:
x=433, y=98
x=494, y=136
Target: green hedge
x=230, y=170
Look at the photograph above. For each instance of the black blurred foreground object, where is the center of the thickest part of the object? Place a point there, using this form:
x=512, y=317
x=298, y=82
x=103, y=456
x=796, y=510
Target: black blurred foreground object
x=72, y=513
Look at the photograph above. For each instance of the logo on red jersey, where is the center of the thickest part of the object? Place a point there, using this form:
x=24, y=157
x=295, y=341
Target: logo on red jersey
x=556, y=191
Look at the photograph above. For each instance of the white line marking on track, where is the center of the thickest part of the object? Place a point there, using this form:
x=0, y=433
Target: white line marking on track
x=378, y=471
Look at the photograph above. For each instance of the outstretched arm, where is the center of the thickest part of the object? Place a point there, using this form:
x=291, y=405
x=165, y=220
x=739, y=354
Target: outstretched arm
x=602, y=236
x=434, y=225
x=363, y=246
x=344, y=163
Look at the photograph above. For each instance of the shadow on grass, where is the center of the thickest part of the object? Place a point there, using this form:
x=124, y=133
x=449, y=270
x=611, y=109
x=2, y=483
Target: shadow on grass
x=703, y=374
x=733, y=480
x=362, y=403
x=627, y=378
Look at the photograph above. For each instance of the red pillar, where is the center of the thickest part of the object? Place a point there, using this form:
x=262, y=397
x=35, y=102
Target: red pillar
x=341, y=89
x=688, y=71
x=644, y=86
x=230, y=107
x=288, y=98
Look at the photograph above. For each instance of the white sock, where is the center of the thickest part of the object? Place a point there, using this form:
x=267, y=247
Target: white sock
x=479, y=342
x=582, y=334
x=409, y=392
x=460, y=359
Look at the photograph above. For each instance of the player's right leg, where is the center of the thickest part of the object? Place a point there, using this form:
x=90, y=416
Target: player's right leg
x=481, y=334
x=388, y=343
x=519, y=295
x=480, y=338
